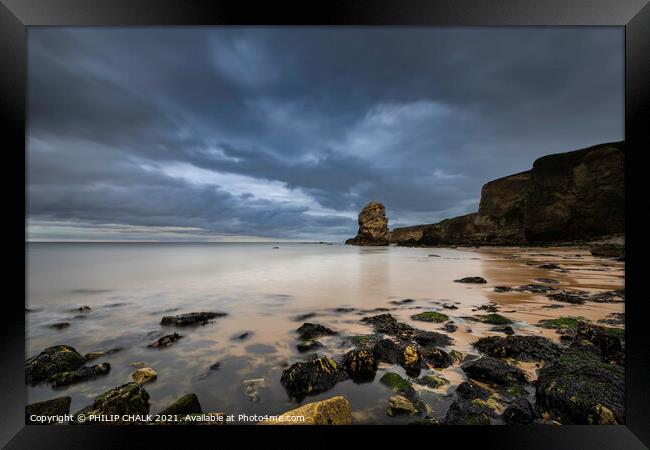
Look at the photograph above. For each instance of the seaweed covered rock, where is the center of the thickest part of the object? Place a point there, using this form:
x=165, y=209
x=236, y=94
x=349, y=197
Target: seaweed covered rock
x=387, y=324
x=411, y=360
x=432, y=381
x=129, y=398
x=387, y=350
x=398, y=384
x=373, y=226
x=52, y=360
x=332, y=411
x=519, y=412
x=311, y=377
x=436, y=357
x=55, y=407
x=583, y=389
x=468, y=390
x=193, y=318
x=430, y=316
x=601, y=341
x=308, y=345
x=144, y=375
x=468, y=412
x=494, y=371
x=524, y=348
x=187, y=404
x=79, y=375
x=361, y=365
x=314, y=330
x=426, y=338
x=399, y=404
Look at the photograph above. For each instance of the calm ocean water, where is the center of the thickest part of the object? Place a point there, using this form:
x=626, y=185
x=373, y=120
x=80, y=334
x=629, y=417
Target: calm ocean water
x=131, y=286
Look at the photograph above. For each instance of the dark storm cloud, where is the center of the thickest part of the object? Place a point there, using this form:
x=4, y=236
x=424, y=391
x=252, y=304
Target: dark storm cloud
x=287, y=132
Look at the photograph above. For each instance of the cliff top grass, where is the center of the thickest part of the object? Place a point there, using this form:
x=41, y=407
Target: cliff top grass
x=431, y=316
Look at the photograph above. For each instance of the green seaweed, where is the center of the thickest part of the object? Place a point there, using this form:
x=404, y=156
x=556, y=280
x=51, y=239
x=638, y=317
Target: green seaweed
x=561, y=323
x=431, y=316
x=495, y=319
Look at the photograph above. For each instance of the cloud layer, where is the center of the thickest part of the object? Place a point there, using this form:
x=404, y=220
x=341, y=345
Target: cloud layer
x=284, y=133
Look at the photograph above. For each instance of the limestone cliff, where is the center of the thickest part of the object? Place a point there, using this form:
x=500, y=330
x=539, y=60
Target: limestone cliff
x=578, y=195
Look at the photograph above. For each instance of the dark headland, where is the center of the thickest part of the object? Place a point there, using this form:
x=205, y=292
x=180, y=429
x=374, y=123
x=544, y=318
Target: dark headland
x=566, y=198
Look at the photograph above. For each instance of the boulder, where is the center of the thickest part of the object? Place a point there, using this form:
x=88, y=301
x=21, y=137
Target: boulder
x=583, y=389
x=411, y=360
x=398, y=384
x=468, y=390
x=519, y=412
x=129, y=398
x=361, y=365
x=76, y=376
x=600, y=341
x=332, y=411
x=144, y=375
x=52, y=360
x=311, y=377
x=387, y=324
x=398, y=404
x=494, y=371
x=524, y=348
x=373, y=226
x=187, y=404
x=436, y=357
x=432, y=381
x=55, y=407
x=426, y=338
x=193, y=318
x=430, y=316
x=468, y=412
x=314, y=330
x=386, y=350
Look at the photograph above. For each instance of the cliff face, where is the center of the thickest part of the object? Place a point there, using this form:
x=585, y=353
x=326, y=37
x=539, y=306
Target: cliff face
x=577, y=195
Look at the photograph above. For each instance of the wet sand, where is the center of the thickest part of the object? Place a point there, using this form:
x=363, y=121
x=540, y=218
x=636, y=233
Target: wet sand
x=130, y=287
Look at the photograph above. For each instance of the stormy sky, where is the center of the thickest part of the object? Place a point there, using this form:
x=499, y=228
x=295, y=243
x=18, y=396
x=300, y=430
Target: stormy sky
x=285, y=133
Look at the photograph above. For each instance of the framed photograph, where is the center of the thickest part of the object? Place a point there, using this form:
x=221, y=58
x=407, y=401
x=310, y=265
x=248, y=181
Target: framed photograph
x=355, y=219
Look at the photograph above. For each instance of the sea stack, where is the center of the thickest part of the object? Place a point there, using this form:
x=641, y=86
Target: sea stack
x=373, y=226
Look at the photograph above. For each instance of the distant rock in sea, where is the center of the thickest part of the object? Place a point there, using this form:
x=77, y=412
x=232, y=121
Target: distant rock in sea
x=373, y=226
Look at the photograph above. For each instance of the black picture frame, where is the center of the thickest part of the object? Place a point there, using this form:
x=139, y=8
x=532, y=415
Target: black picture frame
x=16, y=15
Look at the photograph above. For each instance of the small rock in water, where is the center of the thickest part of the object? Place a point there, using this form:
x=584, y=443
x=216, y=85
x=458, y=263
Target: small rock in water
x=165, y=341
x=81, y=309
x=503, y=329
x=94, y=355
x=469, y=390
x=138, y=364
x=398, y=404
x=59, y=325
x=550, y=266
x=301, y=317
x=502, y=289
x=449, y=327
x=536, y=288
x=332, y=411
x=402, y=302
x=493, y=370
x=432, y=381
x=361, y=365
x=520, y=412
x=546, y=280
x=314, y=330
x=144, y=375
x=343, y=310
x=252, y=388
x=79, y=375
x=311, y=377
x=477, y=280
x=242, y=336
x=308, y=345
x=449, y=306
x=568, y=297
x=193, y=318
